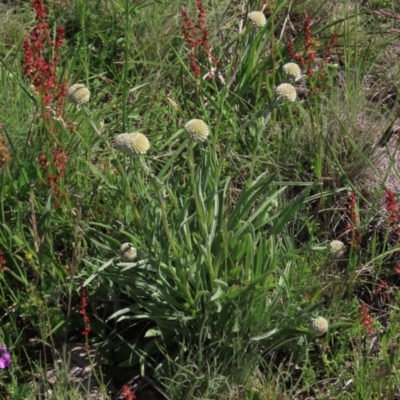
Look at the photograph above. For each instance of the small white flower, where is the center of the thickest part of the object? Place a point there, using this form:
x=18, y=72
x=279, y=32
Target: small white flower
x=132, y=143
x=197, y=129
x=319, y=325
x=337, y=248
x=257, y=18
x=128, y=252
x=78, y=94
x=292, y=70
x=286, y=91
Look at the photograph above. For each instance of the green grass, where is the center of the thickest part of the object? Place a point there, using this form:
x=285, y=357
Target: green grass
x=232, y=233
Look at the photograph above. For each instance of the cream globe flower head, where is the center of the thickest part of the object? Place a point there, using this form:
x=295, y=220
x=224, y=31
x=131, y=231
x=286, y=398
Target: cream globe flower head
x=319, y=325
x=132, y=143
x=78, y=94
x=292, y=70
x=197, y=129
x=286, y=91
x=127, y=252
x=257, y=18
x=337, y=248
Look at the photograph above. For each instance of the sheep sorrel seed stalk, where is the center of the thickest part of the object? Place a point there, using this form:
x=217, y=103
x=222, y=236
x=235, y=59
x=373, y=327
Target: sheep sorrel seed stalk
x=308, y=60
x=196, y=36
x=353, y=225
x=41, y=57
x=82, y=311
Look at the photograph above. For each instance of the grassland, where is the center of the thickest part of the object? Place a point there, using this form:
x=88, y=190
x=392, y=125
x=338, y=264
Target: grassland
x=260, y=247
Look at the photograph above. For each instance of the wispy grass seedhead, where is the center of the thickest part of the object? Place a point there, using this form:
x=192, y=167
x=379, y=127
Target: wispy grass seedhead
x=78, y=94
x=337, y=248
x=132, y=143
x=257, y=18
x=319, y=325
x=286, y=91
x=197, y=129
x=292, y=70
x=127, y=252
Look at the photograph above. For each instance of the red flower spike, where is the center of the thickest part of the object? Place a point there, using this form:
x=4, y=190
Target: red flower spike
x=82, y=311
x=365, y=318
x=3, y=262
x=353, y=226
x=128, y=393
x=197, y=36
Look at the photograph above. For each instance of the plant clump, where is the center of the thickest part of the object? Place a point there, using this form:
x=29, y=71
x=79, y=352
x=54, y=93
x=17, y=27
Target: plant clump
x=286, y=91
x=132, y=143
x=197, y=129
x=78, y=94
x=257, y=18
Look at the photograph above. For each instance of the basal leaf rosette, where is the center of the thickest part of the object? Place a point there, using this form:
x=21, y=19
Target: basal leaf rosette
x=132, y=143
x=197, y=129
x=78, y=94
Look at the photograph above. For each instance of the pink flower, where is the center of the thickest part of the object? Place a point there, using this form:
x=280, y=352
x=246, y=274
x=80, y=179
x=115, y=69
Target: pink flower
x=5, y=357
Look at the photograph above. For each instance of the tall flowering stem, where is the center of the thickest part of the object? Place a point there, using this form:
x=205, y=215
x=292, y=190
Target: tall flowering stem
x=41, y=57
x=82, y=311
x=307, y=60
x=365, y=318
x=59, y=163
x=196, y=35
x=3, y=262
x=392, y=209
x=353, y=225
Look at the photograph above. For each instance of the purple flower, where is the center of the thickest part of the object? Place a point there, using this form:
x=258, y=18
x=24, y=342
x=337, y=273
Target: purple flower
x=5, y=357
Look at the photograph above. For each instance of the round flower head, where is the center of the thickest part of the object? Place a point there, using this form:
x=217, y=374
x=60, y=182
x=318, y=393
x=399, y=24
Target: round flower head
x=78, y=94
x=292, y=70
x=132, y=143
x=286, y=91
x=127, y=252
x=257, y=18
x=319, y=325
x=197, y=129
x=337, y=248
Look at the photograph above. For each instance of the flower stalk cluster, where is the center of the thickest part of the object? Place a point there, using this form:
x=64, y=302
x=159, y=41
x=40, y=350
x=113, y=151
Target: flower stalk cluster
x=197, y=37
x=41, y=57
x=307, y=60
